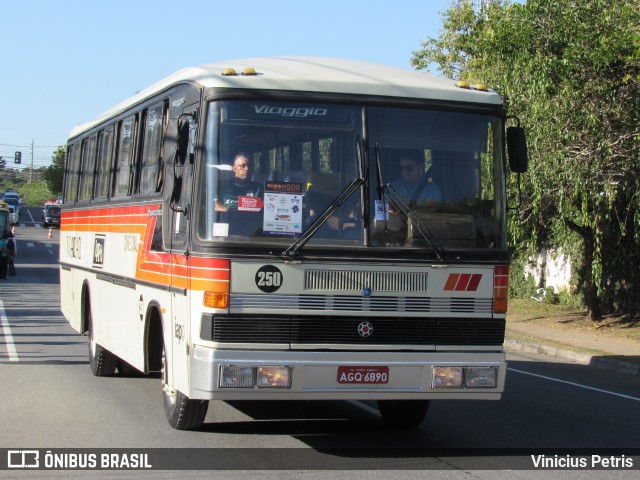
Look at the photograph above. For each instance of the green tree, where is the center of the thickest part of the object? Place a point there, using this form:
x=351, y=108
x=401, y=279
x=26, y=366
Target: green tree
x=570, y=70
x=54, y=174
x=35, y=194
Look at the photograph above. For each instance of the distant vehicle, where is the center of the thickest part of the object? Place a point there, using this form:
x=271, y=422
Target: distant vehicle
x=51, y=214
x=13, y=214
x=9, y=194
x=4, y=219
x=13, y=199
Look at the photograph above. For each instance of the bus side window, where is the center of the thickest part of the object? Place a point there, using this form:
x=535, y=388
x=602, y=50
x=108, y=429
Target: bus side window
x=87, y=168
x=156, y=239
x=151, y=162
x=103, y=167
x=125, y=157
x=72, y=173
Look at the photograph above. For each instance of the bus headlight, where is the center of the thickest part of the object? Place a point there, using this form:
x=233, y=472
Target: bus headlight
x=464, y=377
x=255, y=376
x=447, y=377
x=236, y=376
x=481, y=377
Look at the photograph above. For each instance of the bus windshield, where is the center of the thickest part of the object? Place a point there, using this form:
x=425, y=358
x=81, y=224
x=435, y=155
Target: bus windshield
x=440, y=176
x=427, y=179
x=272, y=168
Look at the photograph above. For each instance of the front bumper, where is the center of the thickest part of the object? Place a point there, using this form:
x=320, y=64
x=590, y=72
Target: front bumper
x=315, y=375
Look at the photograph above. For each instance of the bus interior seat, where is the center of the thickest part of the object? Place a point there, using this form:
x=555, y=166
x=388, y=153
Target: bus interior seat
x=262, y=177
x=296, y=177
x=324, y=183
x=321, y=189
x=458, y=185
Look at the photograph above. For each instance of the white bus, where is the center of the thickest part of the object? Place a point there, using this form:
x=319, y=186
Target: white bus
x=254, y=230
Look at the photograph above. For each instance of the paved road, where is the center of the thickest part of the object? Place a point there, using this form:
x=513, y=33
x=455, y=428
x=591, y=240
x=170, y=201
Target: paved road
x=51, y=400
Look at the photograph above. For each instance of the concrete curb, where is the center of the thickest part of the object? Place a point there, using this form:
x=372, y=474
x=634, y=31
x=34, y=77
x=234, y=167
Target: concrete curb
x=620, y=366
x=606, y=363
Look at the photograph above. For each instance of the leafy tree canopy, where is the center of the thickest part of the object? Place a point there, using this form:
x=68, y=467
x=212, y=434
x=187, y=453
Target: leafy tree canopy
x=570, y=70
x=54, y=174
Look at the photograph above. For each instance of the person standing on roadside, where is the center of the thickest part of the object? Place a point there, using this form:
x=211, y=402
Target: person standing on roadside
x=11, y=253
x=4, y=256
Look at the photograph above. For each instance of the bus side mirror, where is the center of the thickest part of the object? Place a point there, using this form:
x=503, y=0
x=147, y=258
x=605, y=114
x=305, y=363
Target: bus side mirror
x=517, y=149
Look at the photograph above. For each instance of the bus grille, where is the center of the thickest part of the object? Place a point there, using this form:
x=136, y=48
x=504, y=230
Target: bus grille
x=358, y=303
x=332, y=331
x=355, y=280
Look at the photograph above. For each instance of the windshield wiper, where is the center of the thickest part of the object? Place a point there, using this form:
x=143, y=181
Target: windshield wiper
x=388, y=190
x=293, y=249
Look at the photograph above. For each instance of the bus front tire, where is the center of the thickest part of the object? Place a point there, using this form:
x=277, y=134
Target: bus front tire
x=182, y=412
x=403, y=413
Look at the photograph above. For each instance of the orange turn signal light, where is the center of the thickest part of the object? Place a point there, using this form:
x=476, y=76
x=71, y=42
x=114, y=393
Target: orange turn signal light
x=215, y=300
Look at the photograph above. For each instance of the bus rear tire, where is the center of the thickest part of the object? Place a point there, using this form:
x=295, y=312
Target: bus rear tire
x=102, y=362
x=403, y=413
x=182, y=412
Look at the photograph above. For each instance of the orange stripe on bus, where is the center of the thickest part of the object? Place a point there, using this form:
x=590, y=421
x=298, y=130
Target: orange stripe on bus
x=198, y=273
x=451, y=281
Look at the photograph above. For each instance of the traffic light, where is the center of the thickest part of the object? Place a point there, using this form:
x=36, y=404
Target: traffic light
x=18, y=157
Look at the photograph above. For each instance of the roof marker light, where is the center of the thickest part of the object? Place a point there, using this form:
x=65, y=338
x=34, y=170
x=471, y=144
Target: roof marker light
x=249, y=71
x=481, y=87
x=229, y=71
x=462, y=84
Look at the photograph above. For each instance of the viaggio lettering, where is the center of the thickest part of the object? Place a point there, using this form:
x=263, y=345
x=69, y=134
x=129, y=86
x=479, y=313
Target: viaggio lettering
x=290, y=111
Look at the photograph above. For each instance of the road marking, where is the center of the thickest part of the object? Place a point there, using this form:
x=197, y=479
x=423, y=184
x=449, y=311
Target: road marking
x=628, y=397
x=6, y=331
x=31, y=244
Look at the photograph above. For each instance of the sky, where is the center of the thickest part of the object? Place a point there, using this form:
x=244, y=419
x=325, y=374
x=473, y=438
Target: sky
x=64, y=62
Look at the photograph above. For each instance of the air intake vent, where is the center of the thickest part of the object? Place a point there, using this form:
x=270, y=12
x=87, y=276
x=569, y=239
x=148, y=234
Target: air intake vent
x=357, y=303
x=349, y=280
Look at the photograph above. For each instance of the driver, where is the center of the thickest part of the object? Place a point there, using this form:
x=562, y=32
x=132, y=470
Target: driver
x=239, y=186
x=412, y=187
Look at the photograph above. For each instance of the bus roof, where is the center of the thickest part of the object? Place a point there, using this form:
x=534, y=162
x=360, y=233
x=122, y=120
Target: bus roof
x=310, y=74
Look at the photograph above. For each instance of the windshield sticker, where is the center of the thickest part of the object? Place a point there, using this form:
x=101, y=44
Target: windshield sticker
x=283, y=208
x=249, y=204
x=220, y=229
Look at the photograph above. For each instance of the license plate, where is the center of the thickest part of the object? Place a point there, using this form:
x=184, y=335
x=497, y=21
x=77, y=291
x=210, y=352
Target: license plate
x=363, y=375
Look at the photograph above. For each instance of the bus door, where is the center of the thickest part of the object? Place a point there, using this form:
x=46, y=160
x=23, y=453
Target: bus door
x=177, y=239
